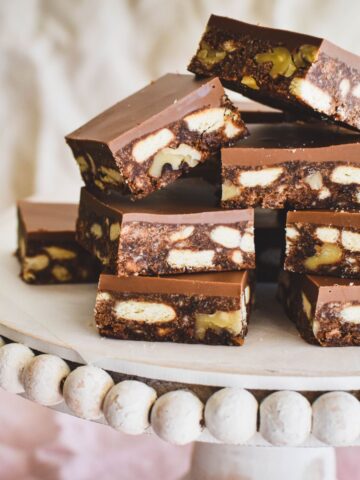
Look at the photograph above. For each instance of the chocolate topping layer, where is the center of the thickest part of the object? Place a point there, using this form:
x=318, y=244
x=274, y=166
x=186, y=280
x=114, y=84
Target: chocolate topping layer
x=329, y=289
x=188, y=200
x=323, y=217
x=48, y=220
x=167, y=100
x=219, y=284
x=285, y=142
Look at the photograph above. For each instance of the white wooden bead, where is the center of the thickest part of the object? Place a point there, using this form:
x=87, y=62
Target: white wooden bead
x=14, y=357
x=43, y=379
x=176, y=417
x=336, y=418
x=127, y=406
x=285, y=418
x=231, y=415
x=85, y=390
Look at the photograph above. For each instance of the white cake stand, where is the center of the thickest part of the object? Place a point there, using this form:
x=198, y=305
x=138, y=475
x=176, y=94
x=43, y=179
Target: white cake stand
x=275, y=369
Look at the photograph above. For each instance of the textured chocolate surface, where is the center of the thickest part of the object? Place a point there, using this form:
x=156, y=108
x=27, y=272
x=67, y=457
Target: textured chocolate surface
x=293, y=165
x=173, y=231
x=47, y=249
x=198, y=308
x=326, y=310
x=283, y=69
x=152, y=137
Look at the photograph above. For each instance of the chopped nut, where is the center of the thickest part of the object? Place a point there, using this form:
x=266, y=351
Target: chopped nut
x=306, y=306
x=207, y=120
x=292, y=233
x=209, y=56
x=148, y=146
x=182, y=234
x=36, y=263
x=237, y=257
x=261, y=178
x=148, y=312
x=351, y=314
x=311, y=95
x=326, y=254
x=351, y=240
x=114, y=231
x=230, y=45
x=61, y=273
x=110, y=175
x=314, y=180
x=247, y=294
x=58, y=253
x=282, y=62
x=305, y=54
x=83, y=165
x=186, y=258
x=96, y=230
x=346, y=175
x=250, y=82
x=344, y=87
x=226, y=236
x=356, y=91
x=174, y=157
x=229, y=190
x=247, y=243
x=327, y=234
x=92, y=163
x=218, y=321
x=99, y=184
x=324, y=193
x=103, y=296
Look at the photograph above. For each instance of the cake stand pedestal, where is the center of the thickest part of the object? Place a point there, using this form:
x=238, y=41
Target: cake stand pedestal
x=275, y=368
x=229, y=462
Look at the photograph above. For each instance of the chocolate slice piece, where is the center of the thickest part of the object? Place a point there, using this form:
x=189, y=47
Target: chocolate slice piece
x=293, y=165
x=175, y=230
x=146, y=141
x=323, y=243
x=210, y=308
x=283, y=69
x=326, y=310
x=47, y=250
x=254, y=112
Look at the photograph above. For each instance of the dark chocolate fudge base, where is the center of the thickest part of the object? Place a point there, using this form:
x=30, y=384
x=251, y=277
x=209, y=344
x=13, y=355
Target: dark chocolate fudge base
x=200, y=308
x=282, y=69
x=323, y=243
x=151, y=138
x=47, y=249
x=325, y=310
x=176, y=230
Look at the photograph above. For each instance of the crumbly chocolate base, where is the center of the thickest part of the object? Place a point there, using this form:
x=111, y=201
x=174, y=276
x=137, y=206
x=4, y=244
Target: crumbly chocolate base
x=125, y=173
x=143, y=248
x=291, y=187
x=305, y=79
x=45, y=263
x=184, y=328
x=307, y=250
x=319, y=324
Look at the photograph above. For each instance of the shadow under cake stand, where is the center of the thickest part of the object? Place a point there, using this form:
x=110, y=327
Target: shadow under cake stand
x=280, y=371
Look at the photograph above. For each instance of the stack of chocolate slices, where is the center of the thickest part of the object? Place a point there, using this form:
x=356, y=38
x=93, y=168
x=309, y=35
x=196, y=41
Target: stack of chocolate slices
x=172, y=176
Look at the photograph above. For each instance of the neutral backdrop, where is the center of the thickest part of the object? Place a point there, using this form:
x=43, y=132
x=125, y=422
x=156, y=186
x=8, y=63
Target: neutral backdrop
x=61, y=62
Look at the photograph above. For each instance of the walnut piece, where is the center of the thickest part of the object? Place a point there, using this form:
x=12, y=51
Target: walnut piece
x=282, y=62
x=175, y=157
x=218, y=321
x=326, y=254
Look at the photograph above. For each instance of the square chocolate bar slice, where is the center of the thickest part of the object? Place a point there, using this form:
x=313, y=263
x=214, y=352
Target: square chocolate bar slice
x=325, y=310
x=283, y=69
x=293, y=165
x=47, y=249
x=175, y=230
x=146, y=141
x=323, y=243
x=210, y=308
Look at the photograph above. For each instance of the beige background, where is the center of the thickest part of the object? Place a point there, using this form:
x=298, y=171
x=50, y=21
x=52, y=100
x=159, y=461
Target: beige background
x=63, y=61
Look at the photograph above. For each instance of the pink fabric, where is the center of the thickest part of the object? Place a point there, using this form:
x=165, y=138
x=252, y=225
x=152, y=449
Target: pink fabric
x=39, y=444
